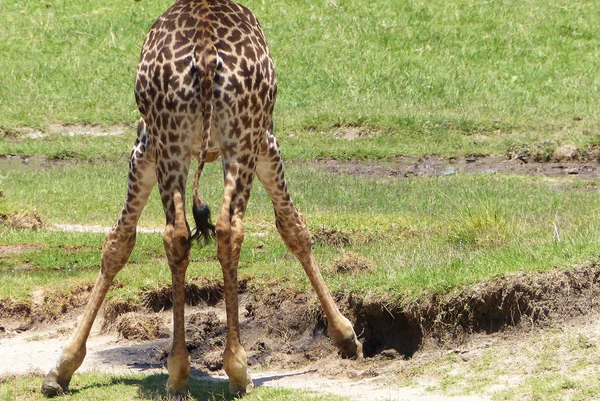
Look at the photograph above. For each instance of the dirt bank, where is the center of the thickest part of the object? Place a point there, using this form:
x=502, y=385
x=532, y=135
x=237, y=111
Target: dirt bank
x=286, y=328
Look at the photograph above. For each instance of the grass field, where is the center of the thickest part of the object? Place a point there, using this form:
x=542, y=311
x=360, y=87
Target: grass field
x=435, y=76
x=409, y=78
x=424, y=235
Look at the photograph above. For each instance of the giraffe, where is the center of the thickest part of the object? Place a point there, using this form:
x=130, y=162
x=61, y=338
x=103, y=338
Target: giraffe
x=205, y=88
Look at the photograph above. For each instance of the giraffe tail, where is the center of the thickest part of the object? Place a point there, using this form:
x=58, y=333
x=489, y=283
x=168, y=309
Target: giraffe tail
x=205, y=230
x=206, y=62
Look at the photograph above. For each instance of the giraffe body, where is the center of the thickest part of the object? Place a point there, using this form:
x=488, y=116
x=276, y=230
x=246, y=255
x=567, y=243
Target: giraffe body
x=205, y=88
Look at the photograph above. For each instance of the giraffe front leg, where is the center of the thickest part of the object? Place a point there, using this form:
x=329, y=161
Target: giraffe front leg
x=116, y=250
x=114, y=256
x=294, y=232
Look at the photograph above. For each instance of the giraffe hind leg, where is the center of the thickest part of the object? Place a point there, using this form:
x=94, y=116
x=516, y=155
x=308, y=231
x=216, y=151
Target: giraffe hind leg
x=176, y=241
x=294, y=232
x=230, y=235
x=116, y=250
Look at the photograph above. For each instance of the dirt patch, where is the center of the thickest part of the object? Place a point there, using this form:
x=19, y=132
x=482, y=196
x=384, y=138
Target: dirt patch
x=30, y=163
x=17, y=249
x=523, y=300
x=28, y=221
x=12, y=308
x=52, y=307
x=353, y=132
x=71, y=130
x=114, y=309
x=434, y=166
x=286, y=329
x=280, y=328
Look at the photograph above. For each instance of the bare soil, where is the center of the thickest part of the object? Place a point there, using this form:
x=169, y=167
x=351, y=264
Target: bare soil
x=70, y=130
x=400, y=167
x=435, y=166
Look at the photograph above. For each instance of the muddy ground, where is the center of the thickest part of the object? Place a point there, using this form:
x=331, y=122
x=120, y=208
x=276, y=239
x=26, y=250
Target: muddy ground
x=435, y=166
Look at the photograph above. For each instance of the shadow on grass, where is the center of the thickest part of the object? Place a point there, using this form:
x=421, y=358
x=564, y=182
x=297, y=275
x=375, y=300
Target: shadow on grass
x=153, y=387
x=202, y=386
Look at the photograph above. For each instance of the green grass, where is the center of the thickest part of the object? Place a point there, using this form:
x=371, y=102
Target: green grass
x=424, y=235
x=435, y=77
x=77, y=148
x=104, y=387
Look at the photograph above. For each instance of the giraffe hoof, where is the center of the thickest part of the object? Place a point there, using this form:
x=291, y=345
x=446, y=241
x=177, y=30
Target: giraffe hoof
x=351, y=349
x=51, y=386
x=239, y=389
x=177, y=389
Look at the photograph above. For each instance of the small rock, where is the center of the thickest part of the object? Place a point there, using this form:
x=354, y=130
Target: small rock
x=566, y=152
x=449, y=171
x=390, y=354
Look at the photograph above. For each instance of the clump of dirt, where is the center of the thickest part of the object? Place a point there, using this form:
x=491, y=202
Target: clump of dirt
x=201, y=325
x=331, y=237
x=353, y=262
x=28, y=221
x=113, y=310
x=12, y=308
x=140, y=326
x=57, y=304
x=285, y=328
x=43, y=307
x=205, y=336
x=197, y=290
x=281, y=327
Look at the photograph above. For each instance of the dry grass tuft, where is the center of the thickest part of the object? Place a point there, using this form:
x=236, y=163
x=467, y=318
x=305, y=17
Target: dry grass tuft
x=113, y=310
x=198, y=290
x=139, y=326
x=352, y=262
x=331, y=237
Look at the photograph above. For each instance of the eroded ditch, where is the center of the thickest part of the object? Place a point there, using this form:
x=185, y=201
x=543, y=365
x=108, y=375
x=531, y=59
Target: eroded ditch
x=284, y=328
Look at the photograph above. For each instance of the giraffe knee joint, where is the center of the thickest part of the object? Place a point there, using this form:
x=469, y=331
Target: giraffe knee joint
x=115, y=253
x=223, y=229
x=177, y=244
